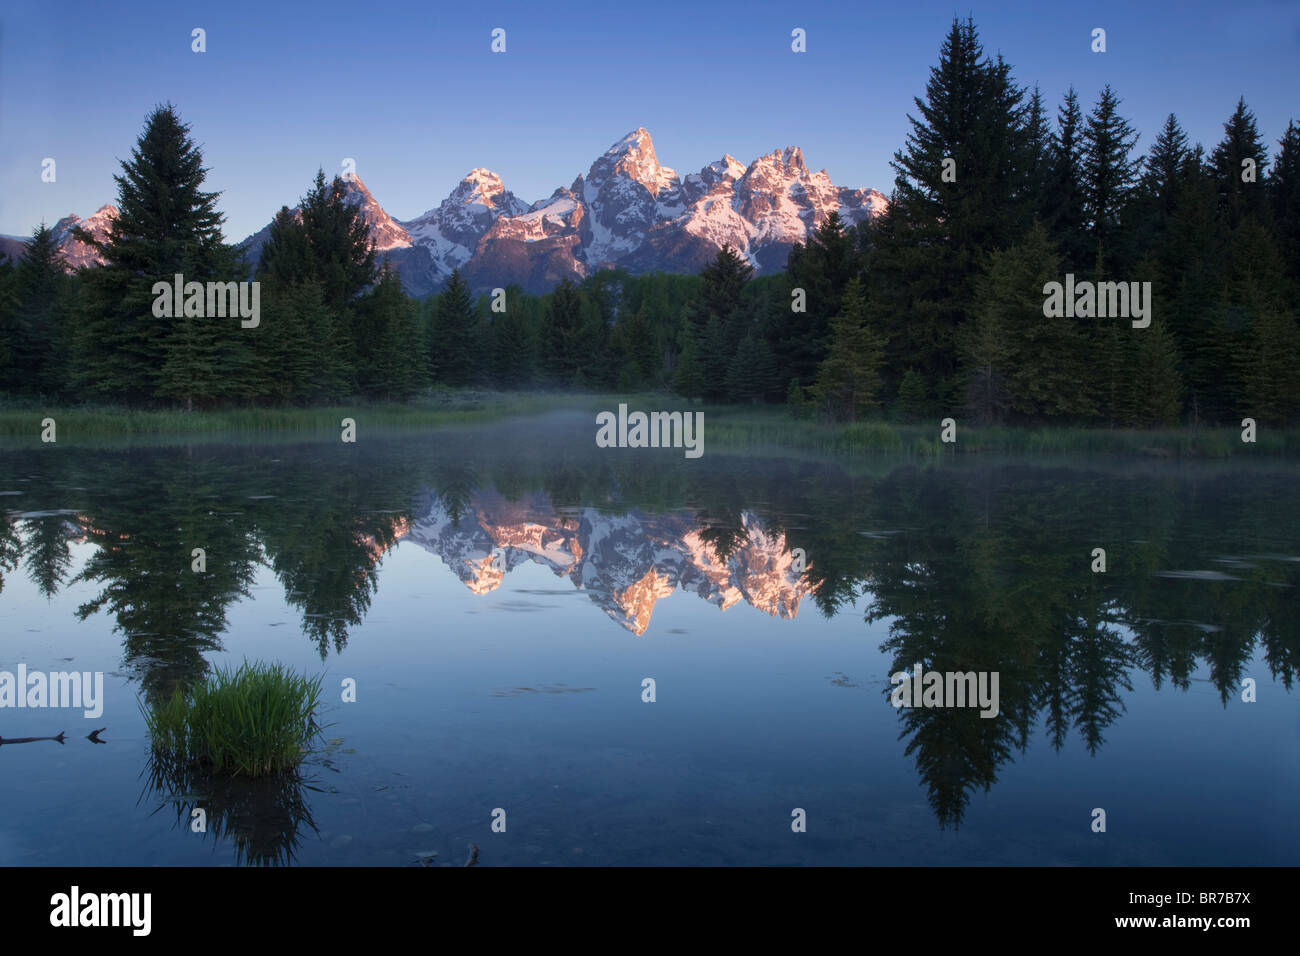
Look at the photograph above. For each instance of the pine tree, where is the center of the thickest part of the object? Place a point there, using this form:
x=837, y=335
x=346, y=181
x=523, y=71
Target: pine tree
x=41, y=337
x=848, y=380
x=1155, y=386
x=1269, y=367
x=1256, y=327
x=1042, y=358
x=1241, y=144
x=513, y=342
x=1039, y=158
x=393, y=366
x=1108, y=175
x=960, y=192
x=688, y=378
x=11, y=370
x=752, y=375
x=718, y=319
x=558, y=346
x=1189, y=263
x=822, y=267
x=451, y=352
x=914, y=401
x=166, y=225
x=634, y=350
x=1066, y=221
x=1284, y=199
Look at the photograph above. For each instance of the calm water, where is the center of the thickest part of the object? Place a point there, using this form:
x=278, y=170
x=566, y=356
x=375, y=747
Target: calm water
x=499, y=597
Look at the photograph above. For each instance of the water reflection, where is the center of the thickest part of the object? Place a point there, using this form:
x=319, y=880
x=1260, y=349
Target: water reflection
x=973, y=569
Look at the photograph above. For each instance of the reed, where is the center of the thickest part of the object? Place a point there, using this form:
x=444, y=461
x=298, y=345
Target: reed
x=255, y=720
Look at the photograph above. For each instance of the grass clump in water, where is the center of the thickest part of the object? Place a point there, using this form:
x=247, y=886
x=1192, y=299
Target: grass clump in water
x=254, y=721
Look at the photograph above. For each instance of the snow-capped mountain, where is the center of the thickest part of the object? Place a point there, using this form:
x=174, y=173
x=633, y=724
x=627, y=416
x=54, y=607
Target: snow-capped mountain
x=628, y=211
x=624, y=563
x=77, y=254
x=385, y=231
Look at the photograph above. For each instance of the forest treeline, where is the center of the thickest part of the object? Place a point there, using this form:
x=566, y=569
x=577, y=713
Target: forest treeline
x=933, y=308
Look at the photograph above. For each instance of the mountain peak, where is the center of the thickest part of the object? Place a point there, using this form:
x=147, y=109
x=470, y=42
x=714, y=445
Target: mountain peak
x=638, y=139
x=633, y=157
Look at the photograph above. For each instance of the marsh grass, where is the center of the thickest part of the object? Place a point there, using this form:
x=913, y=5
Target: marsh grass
x=254, y=721
x=438, y=409
x=770, y=429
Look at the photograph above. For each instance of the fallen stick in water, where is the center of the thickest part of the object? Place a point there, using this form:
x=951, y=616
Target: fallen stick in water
x=30, y=740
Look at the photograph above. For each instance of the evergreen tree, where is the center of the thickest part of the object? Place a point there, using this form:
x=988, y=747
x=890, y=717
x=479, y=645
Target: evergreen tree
x=822, y=267
x=452, y=346
x=1039, y=158
x=558, y=346
x=166, y=225
x=393, y=364
x=848, y=381
x=1066, y=220
x=752, y=375
x=1108, y=175
x=688, y=378
x=634, y=350
x=718, y=319
x=1239, y=162
x=513, y=344
x=1186, y=279
x=11, y=371
x=1042, y=358
x=41, y=337
x=343, y=254
x=929, y=246
x=1284, y=199
x=1256, y=329
x=1269, y=367
x=1155, y=385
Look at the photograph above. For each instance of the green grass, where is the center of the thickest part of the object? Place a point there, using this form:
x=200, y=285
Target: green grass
x=727, y=427
x=435, y=410
x=254, y=721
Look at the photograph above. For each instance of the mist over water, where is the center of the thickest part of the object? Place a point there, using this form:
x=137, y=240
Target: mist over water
x=500, y=595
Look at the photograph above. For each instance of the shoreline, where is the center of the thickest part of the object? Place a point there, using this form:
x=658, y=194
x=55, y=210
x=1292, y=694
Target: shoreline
x=728, y=427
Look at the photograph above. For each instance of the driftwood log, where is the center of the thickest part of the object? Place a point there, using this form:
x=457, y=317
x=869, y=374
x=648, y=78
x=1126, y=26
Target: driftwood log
x=93, y=737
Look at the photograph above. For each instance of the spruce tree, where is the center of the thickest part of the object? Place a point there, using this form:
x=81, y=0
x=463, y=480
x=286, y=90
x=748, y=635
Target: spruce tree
x=166, y=225
x=1284, y=199
x=848, y=380
x=1108, y=174
x=11, y=370
x=1042, y=358
x=1239, y=162
x=393, y=366
x=822, y=267
x=41, y=337
x=1155, y=386
x=688, y=376
x=558, y=346
x=960, y=192
x=752, y=375
x=1066, y=221
x=451, y=349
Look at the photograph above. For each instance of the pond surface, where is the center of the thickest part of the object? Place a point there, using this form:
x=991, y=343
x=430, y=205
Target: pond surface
x=499, y=596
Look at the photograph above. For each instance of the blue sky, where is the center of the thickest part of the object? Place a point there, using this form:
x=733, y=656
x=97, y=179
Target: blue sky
x=414, y=94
